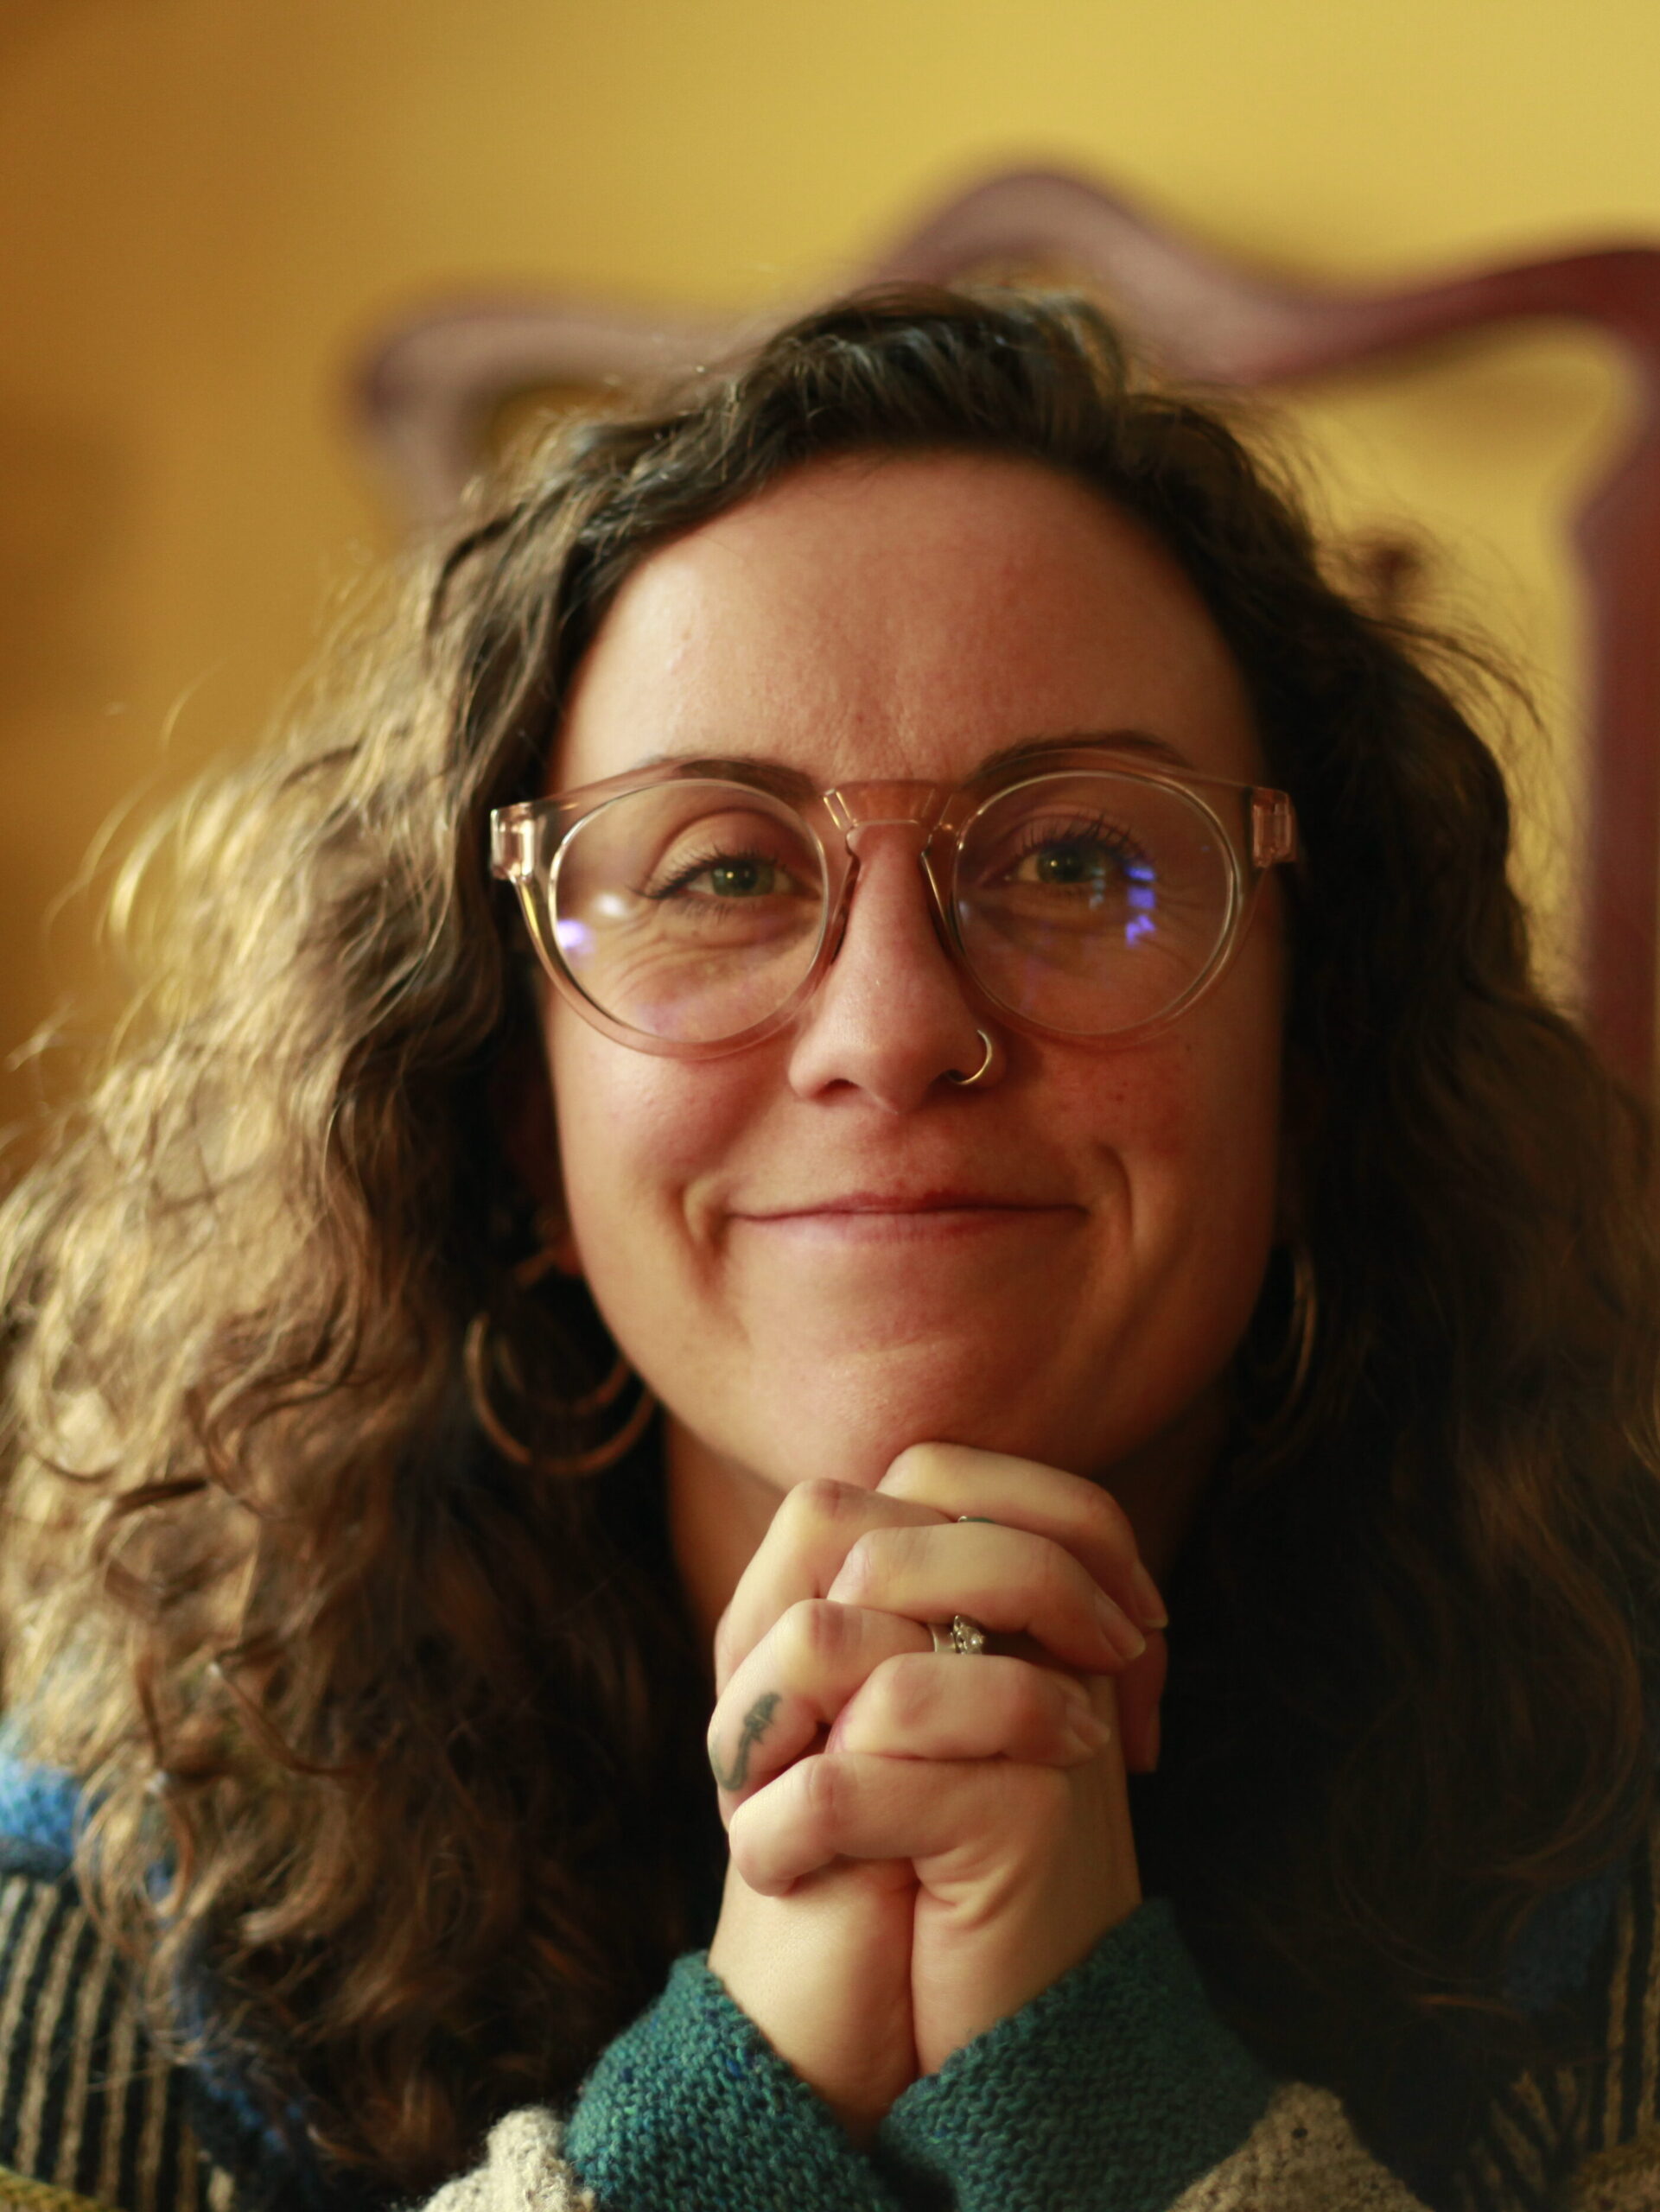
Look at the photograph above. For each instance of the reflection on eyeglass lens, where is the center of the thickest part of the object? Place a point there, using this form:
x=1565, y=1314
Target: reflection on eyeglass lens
x=694, y=910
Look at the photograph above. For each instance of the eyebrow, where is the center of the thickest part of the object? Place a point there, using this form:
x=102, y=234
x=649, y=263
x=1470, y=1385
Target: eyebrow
x=1113, y=740
x=1108, y=740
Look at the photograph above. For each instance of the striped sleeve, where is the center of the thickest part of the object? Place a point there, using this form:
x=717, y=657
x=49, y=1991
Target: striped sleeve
x=1527, y=2147
x=1585, y=2137
x=86, y=2110
x=90, y=2121
x=1620, y=2105
x=1617, y=2134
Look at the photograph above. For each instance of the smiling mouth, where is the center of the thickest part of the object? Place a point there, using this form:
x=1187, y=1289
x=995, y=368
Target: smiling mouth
x=874, y=1215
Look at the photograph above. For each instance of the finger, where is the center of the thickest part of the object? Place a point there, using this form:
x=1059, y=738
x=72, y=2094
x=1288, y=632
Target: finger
x=847, y=1805
x=800, y=1556
x=794, y=1683
x=1140, y=1688
x=957, y=1479
x=1007, y=1578
x=924, y=1706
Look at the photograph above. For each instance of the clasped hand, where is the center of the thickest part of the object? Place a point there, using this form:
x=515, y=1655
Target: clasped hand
x=920, y=1841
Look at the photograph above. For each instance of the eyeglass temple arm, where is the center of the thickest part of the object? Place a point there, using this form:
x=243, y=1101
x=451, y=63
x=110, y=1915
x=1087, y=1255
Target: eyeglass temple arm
x=512, y=843
x=1273, y=829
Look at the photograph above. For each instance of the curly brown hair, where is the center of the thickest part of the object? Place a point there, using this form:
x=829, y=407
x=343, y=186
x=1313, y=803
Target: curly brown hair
x=390, y=1740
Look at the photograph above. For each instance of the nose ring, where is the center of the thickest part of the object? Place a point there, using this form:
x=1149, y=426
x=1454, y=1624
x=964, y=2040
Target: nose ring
x=982, y=1071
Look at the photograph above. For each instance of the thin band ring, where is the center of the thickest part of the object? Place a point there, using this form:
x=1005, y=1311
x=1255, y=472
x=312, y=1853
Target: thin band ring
x=963, y=1082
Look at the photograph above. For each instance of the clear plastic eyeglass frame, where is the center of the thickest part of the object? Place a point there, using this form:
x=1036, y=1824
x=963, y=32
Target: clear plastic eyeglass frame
x=1256, y=826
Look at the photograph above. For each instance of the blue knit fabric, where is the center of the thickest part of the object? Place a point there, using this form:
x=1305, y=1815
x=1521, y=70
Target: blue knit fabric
x=1552, y=1956
x=692, y=2108
x=38, y=1804
x=43, y=1807
x=1116, y=2086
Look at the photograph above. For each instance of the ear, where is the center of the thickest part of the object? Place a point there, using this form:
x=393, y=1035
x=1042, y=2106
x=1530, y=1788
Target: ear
x=521, y=1107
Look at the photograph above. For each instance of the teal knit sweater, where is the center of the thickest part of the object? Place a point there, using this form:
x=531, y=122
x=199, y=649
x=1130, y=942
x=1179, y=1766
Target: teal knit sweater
x=692, y=2107
x=1118, y=2089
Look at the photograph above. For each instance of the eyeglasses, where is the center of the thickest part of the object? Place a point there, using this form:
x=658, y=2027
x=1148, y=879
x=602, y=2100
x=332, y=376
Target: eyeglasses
x=691, y=908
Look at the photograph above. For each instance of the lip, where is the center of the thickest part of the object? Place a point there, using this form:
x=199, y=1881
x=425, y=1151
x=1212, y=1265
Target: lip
x=902, y=1215
x=946, y=1200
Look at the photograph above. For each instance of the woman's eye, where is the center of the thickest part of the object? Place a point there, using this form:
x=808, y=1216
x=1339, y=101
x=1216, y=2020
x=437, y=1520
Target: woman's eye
x=1066, y=864
x=737, y=876
x=1091, y=860
x=742, y=878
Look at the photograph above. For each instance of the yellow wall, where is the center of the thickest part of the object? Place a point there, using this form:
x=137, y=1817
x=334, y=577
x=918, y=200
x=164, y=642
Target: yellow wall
x=205, y=205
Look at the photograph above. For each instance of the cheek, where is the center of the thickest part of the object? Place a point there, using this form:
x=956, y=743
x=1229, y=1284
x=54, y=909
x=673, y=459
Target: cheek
x=1225, y=1099
x=1195, y=1121
x=633, y=1133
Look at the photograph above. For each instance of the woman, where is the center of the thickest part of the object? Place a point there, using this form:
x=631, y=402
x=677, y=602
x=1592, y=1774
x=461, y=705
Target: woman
x=1173, y=1188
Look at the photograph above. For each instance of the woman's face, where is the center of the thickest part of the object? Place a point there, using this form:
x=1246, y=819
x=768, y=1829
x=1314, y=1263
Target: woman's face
x=818, y=1251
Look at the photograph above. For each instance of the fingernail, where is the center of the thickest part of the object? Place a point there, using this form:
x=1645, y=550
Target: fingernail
x=1149, y=1607
x=1117, y=1627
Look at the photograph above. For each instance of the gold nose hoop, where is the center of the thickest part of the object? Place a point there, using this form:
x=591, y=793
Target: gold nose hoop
x=982, y=1071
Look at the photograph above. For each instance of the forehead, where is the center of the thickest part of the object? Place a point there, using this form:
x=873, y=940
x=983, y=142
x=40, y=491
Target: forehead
x=909, y=616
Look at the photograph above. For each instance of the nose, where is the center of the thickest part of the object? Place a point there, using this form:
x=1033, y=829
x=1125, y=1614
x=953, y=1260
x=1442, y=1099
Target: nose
x=894, y=1016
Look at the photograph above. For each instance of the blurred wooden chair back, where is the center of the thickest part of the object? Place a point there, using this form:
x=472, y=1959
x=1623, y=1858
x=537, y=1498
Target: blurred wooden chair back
x=431, y=388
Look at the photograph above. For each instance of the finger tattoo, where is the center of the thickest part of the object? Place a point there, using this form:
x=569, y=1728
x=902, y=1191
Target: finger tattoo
x=756, y=1722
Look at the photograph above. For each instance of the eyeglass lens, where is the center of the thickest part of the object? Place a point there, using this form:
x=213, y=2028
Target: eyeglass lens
x=693, y=911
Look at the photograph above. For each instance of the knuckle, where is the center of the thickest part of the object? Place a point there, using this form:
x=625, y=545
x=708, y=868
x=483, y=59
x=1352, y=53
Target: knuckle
x=813, y=1631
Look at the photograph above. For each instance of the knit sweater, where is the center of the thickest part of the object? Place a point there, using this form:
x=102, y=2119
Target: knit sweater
x=1116, y=2090
x=1119, y=2089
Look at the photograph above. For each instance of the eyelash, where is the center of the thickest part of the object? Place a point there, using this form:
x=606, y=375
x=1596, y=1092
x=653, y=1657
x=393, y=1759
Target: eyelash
x=1098, y=830
x=699, y=864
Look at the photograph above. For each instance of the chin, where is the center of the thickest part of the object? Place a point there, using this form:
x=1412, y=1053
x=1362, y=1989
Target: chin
x=852, y=1429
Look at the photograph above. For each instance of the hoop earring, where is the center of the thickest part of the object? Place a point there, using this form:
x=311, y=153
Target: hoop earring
x=965, y=1081
x=1305, y=1323
x=1296, y=1355
x=475, y=1367
x=477, y=1361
